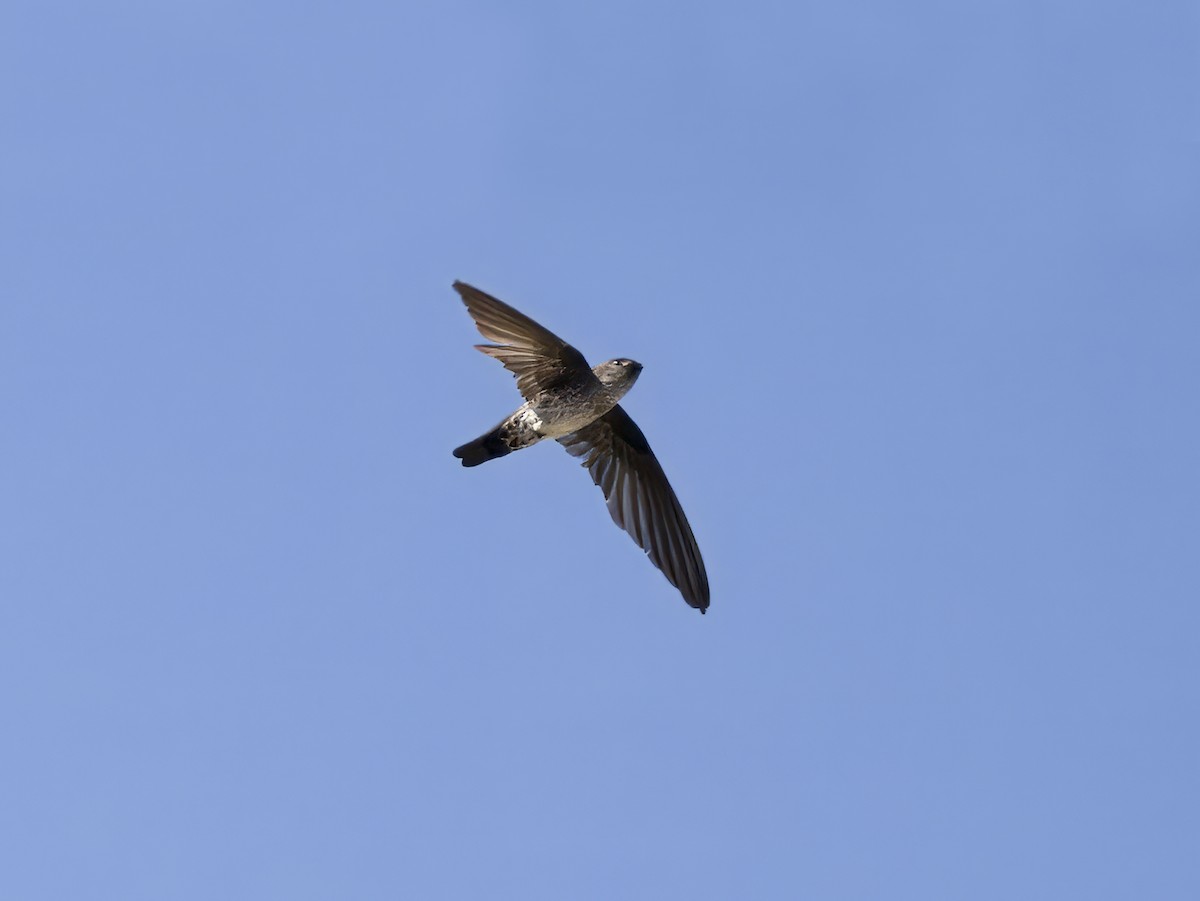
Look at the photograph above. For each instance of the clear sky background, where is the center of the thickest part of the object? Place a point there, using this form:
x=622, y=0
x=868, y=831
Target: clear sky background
x=917, y=291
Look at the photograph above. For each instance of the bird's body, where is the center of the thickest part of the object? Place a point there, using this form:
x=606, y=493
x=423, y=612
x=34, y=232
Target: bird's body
x=559, y=411
x=579, y=406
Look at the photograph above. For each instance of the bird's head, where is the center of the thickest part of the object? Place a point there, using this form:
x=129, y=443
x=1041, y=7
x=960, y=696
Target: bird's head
x=619, y=373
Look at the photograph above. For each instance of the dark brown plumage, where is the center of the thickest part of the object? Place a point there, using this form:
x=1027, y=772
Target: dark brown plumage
x=577, y=405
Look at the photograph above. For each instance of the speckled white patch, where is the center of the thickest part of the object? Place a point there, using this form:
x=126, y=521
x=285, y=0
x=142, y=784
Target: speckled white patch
x=526, y=418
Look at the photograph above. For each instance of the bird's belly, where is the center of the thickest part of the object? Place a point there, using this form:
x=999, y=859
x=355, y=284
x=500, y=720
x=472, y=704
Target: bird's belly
x=559, y=417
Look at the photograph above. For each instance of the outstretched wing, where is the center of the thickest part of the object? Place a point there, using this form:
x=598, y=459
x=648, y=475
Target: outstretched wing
x=535, y=355
x=640, y=499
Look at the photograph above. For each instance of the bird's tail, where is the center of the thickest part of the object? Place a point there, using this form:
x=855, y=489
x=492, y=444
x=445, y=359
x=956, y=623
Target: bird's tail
x=486, y=447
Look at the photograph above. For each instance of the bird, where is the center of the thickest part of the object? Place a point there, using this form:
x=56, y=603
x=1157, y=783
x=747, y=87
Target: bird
x=577, y=405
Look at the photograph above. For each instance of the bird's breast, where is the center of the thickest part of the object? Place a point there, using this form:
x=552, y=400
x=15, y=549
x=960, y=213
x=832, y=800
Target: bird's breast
x=570, y=409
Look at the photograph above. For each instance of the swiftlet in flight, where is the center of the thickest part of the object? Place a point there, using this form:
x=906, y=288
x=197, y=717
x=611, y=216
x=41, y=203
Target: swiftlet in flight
x=576, y=404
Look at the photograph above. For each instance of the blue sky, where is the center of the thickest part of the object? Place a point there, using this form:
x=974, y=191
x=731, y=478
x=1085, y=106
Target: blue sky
x=916, y=289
